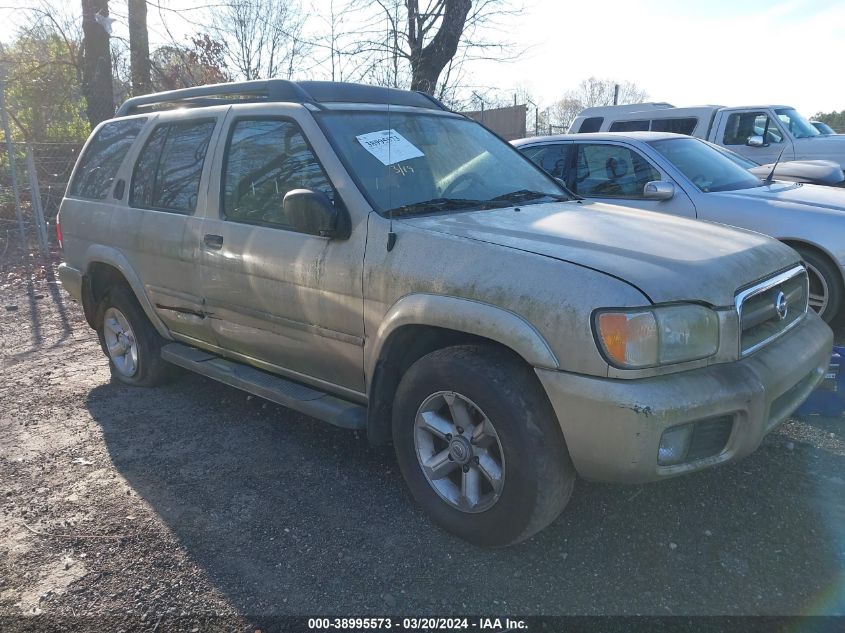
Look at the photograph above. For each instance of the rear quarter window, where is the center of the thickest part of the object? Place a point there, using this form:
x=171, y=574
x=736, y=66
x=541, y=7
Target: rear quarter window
x=101, y=159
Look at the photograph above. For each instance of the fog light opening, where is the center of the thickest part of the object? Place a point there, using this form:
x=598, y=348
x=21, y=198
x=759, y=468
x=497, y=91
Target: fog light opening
x=674, y=444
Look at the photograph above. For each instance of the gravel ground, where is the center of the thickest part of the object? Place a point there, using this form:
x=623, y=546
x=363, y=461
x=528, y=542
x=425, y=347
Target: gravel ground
x=195, y=506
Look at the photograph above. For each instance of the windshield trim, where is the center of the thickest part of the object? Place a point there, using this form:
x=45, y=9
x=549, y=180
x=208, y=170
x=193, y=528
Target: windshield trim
x=320, y=116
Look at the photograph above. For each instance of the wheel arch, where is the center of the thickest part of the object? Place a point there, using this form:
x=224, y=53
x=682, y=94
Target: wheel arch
x=419, y=324
x=105, y=267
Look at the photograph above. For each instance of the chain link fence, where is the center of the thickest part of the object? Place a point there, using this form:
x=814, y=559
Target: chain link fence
x=40, y=173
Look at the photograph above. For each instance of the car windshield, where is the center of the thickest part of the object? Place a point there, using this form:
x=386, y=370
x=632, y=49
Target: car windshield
x=422, y=163
x=742, y=161
x=708, y=169
x=823, y=128
x=797, y=125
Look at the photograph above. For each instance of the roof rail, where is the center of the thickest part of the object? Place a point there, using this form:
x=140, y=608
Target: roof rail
x=278, y=90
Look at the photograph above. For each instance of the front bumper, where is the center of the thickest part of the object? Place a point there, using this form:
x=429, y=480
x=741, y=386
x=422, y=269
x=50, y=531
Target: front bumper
x=71, y=281
x=613, y=427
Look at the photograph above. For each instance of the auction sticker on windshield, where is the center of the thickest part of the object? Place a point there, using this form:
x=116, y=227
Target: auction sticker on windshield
x=389, y=146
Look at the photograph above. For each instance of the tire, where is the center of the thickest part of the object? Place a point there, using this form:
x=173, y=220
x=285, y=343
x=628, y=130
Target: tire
x=142, y=365
x=537, y=475
x=823, y=277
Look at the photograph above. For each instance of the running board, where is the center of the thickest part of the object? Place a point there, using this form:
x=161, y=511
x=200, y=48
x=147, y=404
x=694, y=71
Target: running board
x=287, y=393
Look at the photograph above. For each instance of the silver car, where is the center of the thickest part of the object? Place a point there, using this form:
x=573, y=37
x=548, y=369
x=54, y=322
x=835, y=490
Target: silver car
x=369, y=258
x=686, y=176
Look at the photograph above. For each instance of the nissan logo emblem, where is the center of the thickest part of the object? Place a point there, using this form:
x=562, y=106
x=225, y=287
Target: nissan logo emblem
x=781, y=306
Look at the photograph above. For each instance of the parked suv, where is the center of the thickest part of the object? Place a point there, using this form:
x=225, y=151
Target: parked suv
x=371, y=259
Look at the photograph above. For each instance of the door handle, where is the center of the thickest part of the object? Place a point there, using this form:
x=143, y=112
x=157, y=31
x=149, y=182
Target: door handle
x=214, y=242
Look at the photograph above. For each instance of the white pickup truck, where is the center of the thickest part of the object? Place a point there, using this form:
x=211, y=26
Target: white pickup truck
x=759, y=132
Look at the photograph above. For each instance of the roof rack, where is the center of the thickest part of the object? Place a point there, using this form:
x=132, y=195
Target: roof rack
x=277, y=90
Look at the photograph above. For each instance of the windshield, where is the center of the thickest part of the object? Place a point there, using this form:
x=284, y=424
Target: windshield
x=708, y=169
x=797, y=125
x=742, y=161
x=418, y=163
x=823, y=128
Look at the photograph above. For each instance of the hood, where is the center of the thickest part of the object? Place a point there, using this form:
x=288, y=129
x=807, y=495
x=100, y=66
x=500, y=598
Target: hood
x=666, y=257
x=807, y=197
x=822, y=172
x=822, y=147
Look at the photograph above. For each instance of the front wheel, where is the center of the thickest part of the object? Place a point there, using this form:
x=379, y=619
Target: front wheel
x=479, y=445
x=825, y=284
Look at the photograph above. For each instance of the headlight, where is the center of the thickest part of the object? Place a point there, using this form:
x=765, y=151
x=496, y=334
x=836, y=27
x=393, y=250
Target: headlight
x=646, y=337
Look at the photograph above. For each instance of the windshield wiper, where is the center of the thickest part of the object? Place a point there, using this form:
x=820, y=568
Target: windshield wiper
x=527, y=194
x=438, y=204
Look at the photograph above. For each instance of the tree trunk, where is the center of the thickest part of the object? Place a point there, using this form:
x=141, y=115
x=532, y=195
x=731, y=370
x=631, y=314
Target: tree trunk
x=428, y=62
x=139, y=47
x=96, y=63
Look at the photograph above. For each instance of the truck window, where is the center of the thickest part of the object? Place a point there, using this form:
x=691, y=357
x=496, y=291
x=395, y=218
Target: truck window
x=797, y=125
x=685, y=125
x=102, y=158
x=266, y=158
x=629, y=126
x=611, y=171
x=742, y=125
x=167, y=174
x=592, y=124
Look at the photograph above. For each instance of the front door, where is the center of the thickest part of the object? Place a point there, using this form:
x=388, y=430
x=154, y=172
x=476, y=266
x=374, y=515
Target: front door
x=739, y=126
x=277, y=298
x=617, y=174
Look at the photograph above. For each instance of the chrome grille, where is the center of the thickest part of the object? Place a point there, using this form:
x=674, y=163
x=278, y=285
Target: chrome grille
x=762, y=316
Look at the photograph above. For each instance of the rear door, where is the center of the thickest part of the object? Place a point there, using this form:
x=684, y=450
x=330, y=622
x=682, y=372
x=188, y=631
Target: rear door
x=277, y=298
x=158, y=224
x=617, y=173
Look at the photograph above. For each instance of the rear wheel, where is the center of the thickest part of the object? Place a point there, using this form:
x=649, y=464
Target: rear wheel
x=129, y=340
x=479, y=445
x=825, y=284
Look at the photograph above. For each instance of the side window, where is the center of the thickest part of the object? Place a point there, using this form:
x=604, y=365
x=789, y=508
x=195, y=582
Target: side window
x=677, y=126
x=629, y=126
x=551, y=158
x=592, y=124
x=102, y=158
x=611, y=171
x=741, y=125
x=167, y=174
x=266, y=158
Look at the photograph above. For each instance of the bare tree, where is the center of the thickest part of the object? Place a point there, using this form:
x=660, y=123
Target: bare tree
x=424, y=44
x=261, y=38
x=600, y=92
x=592, y=92
x=96, y=61
x=139, y=47
x=178, y=66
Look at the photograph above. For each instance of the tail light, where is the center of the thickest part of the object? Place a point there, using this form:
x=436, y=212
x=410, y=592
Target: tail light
x=59, y=230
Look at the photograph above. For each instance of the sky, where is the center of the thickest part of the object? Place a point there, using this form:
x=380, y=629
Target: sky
x=686, y=52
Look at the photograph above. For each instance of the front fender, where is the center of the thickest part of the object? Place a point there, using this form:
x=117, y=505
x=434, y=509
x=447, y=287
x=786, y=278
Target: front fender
x=463, y=315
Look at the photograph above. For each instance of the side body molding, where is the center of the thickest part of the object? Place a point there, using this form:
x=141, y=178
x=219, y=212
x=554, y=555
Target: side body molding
x=463, y=315
x=99, y=254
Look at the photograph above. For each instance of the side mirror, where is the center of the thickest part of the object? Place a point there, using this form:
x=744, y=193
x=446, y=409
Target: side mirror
x=756, y=141
x=312, y=212
x=659, y=190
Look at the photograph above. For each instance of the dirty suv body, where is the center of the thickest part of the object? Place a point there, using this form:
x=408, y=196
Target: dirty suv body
x=367, y=257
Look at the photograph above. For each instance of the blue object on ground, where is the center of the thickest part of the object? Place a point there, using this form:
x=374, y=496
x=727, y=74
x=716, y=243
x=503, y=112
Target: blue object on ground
x=828, y=399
